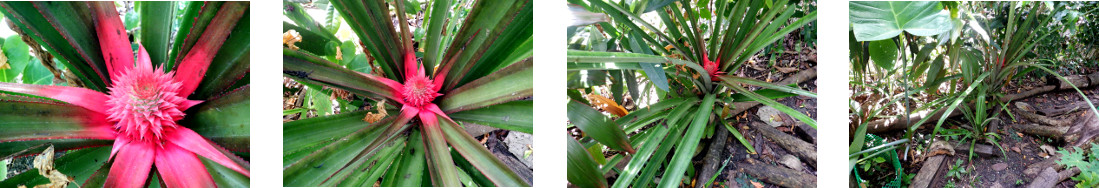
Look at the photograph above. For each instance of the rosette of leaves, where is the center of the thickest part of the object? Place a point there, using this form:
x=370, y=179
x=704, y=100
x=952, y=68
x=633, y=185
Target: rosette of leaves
x=81, y=50
x=686, y=61
x=468, y=63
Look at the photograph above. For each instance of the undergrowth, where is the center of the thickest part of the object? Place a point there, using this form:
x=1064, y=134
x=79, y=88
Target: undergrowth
x=1088, y=165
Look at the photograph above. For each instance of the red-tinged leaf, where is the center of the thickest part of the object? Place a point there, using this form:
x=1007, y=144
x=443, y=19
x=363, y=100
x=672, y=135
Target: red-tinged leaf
x=181, y=168
x=407, y=113
x=310, y=69
x=193, y=66
x=86, y=98
x=29, y=121
x=113, y=40
x=508, y=84
x=187, y=139
x=132, y=166
x=443, y=171
x=479, y=157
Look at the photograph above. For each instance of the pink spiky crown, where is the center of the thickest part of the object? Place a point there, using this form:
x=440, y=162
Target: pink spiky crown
x=418, y=91
x=144, y=102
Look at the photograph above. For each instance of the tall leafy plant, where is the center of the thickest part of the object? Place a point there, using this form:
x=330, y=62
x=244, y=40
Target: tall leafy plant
x=127, y=108
x=480, y=73
x=696, y=93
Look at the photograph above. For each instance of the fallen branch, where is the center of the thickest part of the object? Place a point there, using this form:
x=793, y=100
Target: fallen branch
x=777, y=175
x=710, y=164
x=798, y=147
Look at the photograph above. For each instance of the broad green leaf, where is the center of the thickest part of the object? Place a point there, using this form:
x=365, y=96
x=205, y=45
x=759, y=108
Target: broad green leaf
x=371, y=22
x=884, y=52
x=598, y=127
x=156, y=28
x=750, y=81
x=37, y=74
x=877, y=20
x=302, y=136
x=18, y=54
x=685, y=149
x=639, y=160
x=28, y=121
x=489, y=24
x=772, y=103
x=413, y=166
x=515, y=115
x=225, y=177
x=582, y=170
x=508, y=84
x=575, y=56
x=323, y=162
x=224, y=120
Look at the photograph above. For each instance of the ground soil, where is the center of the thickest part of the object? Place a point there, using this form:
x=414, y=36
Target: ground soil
x=1021, y=149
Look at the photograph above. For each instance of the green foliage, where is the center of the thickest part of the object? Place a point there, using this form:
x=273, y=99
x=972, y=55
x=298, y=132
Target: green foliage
x=1087, y=162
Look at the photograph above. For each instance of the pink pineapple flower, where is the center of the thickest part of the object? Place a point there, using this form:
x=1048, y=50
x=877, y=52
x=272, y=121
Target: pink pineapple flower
x=141, y=111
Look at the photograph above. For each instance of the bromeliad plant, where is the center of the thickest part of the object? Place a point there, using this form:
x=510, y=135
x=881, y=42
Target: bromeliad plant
x=160, y=110
x=697, y=98
x=484, y=77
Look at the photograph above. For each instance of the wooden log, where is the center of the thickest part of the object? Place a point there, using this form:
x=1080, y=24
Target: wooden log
x=1076, y=80
x=1041, y=130
x=982, y=150
x=777, y=175
x=1094, y=77
x=807, y=152
x=714, y=155
x=1050, y=177
x=928, y=172
x=806, y=132
x=1045, y=119
x=1064, y=109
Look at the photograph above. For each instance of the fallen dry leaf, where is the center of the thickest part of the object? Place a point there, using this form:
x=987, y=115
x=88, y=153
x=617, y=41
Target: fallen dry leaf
x=291, y=37
x=606, y=104
x=372, y=117
x=44, y=164
x=757, y=184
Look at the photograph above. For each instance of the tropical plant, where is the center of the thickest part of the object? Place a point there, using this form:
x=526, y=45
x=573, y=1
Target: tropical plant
x=477, y=71
x=1089, y=165
x=181, y=99
x=687, y=60
x=933, y=58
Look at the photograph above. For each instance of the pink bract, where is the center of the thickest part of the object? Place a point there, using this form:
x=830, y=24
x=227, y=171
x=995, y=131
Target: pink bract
x=144, y=105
